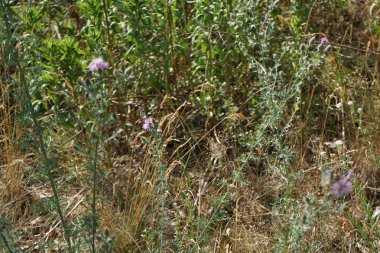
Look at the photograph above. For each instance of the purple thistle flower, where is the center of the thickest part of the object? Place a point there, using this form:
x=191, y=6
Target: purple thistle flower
x=324, y=41
x=350, y=175
x=147, y=124
x=343, y=187
x=97, y=64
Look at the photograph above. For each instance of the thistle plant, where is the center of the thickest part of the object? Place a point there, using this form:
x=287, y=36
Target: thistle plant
x=97, y=93
x=343, y=187
x=157, y=144
x=148, y=122
x=256, y=85
x=48, y=161
x=324, y=41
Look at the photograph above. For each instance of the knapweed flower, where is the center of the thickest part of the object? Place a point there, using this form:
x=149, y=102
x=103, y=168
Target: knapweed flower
x=324, y=41
x=147, y=124
x=97, y=64
x=343, y=187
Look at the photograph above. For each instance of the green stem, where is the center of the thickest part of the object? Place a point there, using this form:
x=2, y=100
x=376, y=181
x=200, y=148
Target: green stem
x=161, y=188
x=38, y=128
x=47, y=162
x=6, y=242
x=94, y=179
x=97, y=113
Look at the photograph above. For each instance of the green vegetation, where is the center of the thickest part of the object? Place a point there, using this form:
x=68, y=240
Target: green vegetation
x=189, y=126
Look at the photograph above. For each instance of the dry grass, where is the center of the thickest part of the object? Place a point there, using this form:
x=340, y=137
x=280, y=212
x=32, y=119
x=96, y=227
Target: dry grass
x=184, y=185
x=13, y=162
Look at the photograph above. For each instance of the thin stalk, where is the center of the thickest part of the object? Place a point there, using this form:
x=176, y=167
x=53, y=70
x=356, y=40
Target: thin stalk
x=6, y=242
x=161, y=187
x=98, y=106
x=208, y=223
x=47, y=162
x=38, y=128
x=95, y=179
x=162, y=205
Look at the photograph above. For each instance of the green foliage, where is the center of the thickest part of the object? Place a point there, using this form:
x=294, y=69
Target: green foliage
x=243, y=82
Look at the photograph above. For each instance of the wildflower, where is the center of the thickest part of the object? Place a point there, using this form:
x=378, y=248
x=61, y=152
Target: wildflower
x=343, y=187
x=349, y=176
x=147, y=124
x=97, y=64
x=324, y=41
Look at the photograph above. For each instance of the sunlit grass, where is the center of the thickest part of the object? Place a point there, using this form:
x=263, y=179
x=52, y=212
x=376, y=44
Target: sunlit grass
x=178, y=126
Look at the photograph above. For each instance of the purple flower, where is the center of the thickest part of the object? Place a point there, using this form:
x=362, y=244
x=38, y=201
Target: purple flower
x=350, y=175
x=97, y=64
x=324, y=41
x=343, y=187
x=147, y=124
